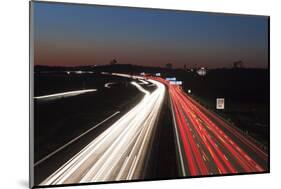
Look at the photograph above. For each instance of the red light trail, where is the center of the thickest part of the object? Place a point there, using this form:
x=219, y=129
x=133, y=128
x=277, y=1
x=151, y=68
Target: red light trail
x=208, y=144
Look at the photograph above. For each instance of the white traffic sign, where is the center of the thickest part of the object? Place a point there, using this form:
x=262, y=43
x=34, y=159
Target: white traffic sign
x=176, y=82
x=171, y=79
x=220, y=104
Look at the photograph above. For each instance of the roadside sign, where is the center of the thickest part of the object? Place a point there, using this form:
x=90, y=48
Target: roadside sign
x=171, y=79
x=220, y=104
x=179, y=82
x=176, y=82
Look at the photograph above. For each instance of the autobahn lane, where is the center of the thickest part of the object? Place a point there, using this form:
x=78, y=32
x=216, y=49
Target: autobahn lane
x=119, y=152
x=207, y=145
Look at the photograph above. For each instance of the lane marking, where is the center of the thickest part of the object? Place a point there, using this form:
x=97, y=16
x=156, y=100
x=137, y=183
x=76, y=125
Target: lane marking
x=73, y=140
x=177, y=136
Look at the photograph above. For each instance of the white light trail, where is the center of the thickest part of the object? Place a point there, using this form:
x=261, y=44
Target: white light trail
x=119, y=153
x=107, y=85
x=143, y=81
x=128, y=76
x=64, y=94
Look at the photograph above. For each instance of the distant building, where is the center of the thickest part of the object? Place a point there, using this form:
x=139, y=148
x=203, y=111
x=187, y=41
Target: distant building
x=169, y=66
x=238, y=64
x=202, y=71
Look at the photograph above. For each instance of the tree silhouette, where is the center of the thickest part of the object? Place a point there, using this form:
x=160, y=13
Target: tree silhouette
x=113, y=62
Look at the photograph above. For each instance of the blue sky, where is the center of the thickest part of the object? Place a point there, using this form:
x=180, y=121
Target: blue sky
x=70, y=35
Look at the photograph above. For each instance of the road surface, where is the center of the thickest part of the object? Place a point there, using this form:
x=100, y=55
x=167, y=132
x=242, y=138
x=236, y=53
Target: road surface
x=119, y=153
x=133, y=144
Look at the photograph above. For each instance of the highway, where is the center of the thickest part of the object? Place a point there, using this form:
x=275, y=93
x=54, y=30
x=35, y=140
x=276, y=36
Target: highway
x=151, y=129
x=208, y=145
x=120, y=152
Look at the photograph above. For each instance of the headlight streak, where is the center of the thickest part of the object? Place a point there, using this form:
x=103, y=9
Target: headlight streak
x=143, y=81
x=64, y=94
x=107, y=85
x=119, y=152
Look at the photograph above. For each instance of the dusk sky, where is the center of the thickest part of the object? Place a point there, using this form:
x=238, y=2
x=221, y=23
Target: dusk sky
x=72, y=35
